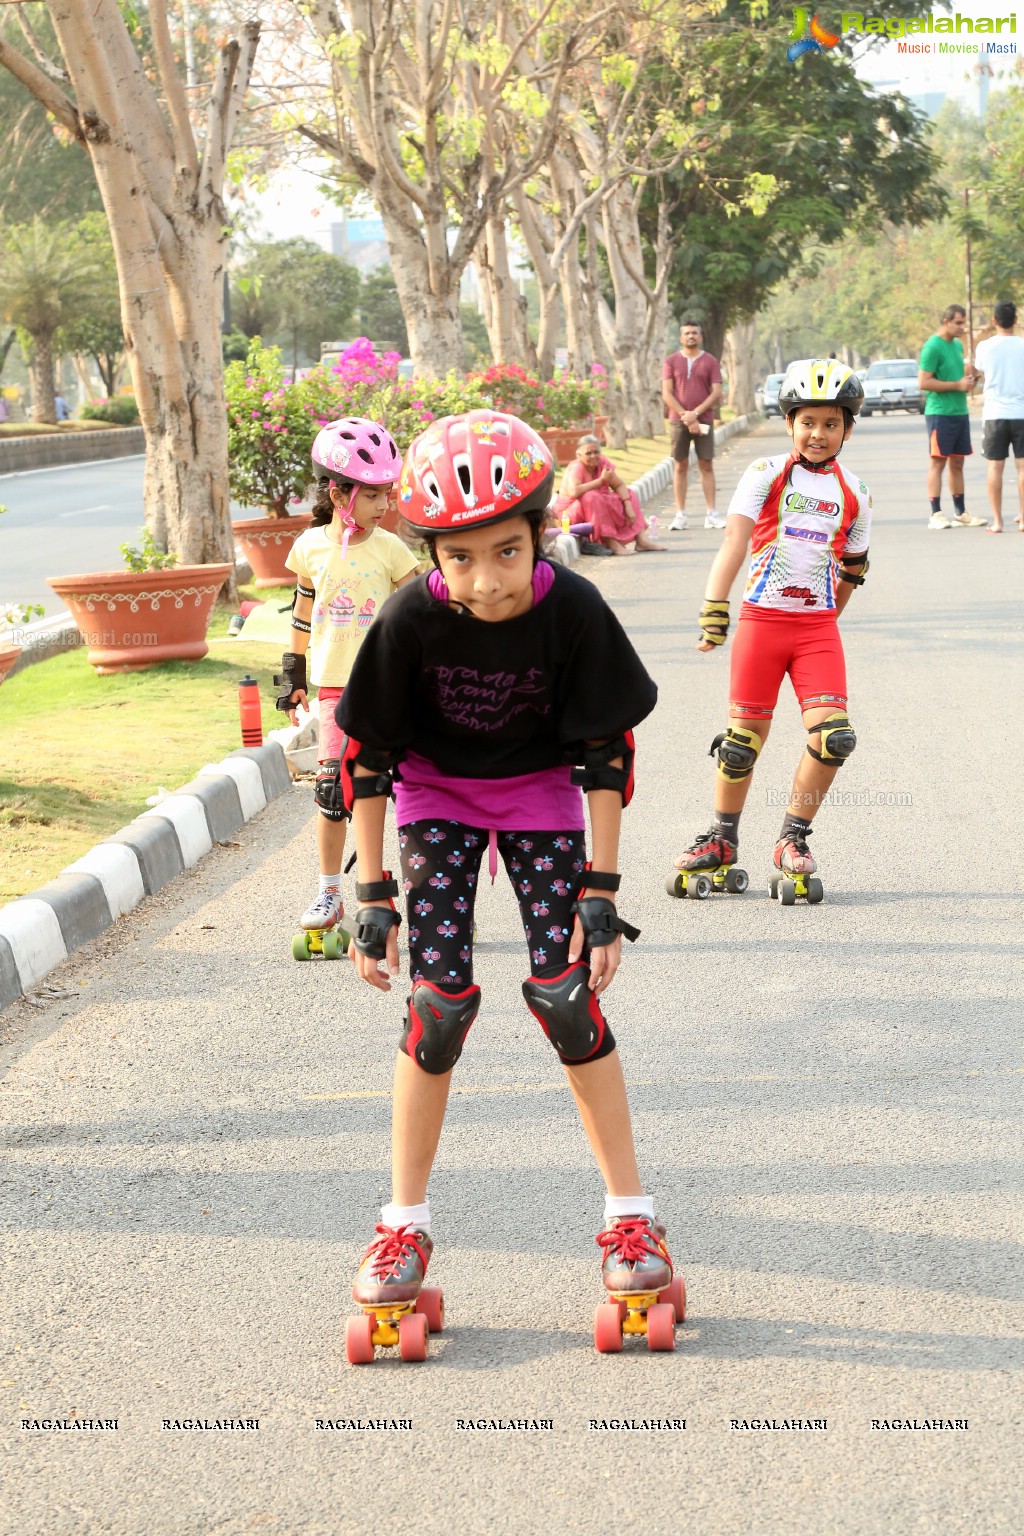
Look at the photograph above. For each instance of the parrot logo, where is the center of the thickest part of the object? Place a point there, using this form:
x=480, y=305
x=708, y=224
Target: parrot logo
x=818, y=40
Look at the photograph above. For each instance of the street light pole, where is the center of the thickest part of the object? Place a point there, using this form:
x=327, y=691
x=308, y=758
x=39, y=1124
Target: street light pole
x=970, y=295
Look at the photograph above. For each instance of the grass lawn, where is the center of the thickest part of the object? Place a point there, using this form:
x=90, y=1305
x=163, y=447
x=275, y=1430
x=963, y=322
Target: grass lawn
x=81, y=753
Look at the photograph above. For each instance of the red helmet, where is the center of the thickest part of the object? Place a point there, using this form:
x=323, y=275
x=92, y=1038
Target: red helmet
x=470, y=470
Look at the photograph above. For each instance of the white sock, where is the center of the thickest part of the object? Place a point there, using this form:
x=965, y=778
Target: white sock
x=616, y=1206
x=330, y=882
x=417, y=1216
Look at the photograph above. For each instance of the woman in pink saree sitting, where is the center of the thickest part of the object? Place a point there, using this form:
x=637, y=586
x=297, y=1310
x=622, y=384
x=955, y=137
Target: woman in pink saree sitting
x=592, y=492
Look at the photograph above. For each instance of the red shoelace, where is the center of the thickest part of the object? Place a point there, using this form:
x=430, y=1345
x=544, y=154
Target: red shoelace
x=390, y=1249
x=630, y=1241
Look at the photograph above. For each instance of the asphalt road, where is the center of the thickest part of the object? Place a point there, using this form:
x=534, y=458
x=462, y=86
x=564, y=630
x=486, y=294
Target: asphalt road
x=827, y=1102
x=68, y=520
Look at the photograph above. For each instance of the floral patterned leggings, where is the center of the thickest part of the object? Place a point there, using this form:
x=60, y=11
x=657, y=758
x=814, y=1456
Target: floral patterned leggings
x=441, y=864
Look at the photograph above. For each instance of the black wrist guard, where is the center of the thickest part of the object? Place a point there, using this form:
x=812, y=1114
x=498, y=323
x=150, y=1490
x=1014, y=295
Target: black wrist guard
x=289, y=680
x=601, y=922
x=599, y=880
x=377, y=890
x=372, y=926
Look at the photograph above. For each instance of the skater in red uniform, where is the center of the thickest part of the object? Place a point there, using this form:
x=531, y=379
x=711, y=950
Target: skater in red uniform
x=511, y=686
x=807, y=523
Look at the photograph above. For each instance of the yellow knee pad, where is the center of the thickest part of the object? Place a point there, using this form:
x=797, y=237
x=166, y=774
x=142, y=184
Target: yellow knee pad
x=737, y=750
x=838, y=739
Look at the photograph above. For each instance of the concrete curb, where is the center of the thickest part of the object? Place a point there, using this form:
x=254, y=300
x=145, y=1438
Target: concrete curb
x=48, y=450
x=40, y=931
x=657, y=479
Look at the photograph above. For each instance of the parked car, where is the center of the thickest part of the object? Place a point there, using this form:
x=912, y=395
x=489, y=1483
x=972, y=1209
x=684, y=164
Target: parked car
x=891, y=385
x=770, y=394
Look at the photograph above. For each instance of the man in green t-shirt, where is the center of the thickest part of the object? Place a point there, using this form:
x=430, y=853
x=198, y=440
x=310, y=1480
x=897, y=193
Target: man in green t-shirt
x=942, y=375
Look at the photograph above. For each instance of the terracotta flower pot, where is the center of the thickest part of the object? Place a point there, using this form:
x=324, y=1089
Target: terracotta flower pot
x=562, y=441
x=265, y=542
x=8, y=656
x=135, y=619
x=601, y=428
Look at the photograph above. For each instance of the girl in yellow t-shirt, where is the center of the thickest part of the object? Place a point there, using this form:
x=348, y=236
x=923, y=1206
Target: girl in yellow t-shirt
x=347, y=565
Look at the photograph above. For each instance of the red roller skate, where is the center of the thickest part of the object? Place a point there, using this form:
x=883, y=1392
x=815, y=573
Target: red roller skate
x=795, y=865
x=709, y=864
x=645, y=1295
x=397, y=1307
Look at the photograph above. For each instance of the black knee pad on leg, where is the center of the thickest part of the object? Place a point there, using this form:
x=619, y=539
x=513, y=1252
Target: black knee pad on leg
x=838, y=739
x=570, y=1014
x=436, y=1025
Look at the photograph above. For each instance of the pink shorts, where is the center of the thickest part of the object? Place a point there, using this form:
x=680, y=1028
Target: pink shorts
x=330, y=731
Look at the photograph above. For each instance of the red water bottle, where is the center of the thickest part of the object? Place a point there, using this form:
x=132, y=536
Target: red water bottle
x=250, y=711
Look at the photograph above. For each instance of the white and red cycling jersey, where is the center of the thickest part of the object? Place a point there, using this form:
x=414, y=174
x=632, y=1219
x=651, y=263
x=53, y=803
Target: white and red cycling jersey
x=804, y=520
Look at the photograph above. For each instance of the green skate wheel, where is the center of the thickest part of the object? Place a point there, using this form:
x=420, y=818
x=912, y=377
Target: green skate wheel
x=698, y=887
x=773, y=887
x=787, y=893
x=300, y=946
x=675, y=885
x=332, y=943
x=737, y=880
x=815, y=890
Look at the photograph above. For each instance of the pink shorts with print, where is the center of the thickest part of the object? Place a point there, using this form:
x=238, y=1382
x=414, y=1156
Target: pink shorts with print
x=330, y=731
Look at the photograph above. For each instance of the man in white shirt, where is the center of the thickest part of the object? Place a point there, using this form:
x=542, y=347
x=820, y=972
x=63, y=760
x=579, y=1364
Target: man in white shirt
x=1000, y=358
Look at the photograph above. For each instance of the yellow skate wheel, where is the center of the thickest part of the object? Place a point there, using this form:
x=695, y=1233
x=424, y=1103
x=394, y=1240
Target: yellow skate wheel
x=430, y=1302
x=359, y=1340
x=608, y=1328
x=300, y=946
x=412, y=1336
x=661, y=1327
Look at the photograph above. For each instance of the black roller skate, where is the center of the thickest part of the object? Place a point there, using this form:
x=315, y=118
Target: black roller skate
x=397, y=1307
x=645, y=1296
x=795, y=878
x=709, y=864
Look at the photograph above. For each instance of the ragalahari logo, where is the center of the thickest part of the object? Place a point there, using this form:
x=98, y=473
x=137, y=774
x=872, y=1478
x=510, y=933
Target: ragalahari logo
x=808, y=37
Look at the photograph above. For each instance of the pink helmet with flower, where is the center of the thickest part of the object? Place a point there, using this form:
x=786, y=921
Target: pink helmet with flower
x=354, y=448
x=358, y=450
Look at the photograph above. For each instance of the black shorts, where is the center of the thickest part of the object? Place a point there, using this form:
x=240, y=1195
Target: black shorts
x=998, y=437
x=682, y=437
x=949, y=436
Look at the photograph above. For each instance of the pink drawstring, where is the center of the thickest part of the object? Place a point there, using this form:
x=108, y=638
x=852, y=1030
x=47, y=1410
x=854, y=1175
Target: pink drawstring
x=492, y=854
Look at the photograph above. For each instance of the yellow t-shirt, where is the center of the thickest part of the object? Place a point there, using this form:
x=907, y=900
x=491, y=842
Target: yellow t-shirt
x=348, y=592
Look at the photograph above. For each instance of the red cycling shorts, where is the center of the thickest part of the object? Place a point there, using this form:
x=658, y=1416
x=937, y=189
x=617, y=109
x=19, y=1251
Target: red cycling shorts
x=768, y=644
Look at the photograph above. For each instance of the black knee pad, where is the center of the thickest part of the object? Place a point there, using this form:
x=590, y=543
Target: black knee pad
x=328, y=792
x=436, y=1025
x=570, y=1014
x=838, y=739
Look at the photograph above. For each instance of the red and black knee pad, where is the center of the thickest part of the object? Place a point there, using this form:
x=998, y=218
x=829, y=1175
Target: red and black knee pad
x=436, y=1025
x=570, y=1015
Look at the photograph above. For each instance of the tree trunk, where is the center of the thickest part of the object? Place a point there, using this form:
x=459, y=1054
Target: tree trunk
x=738, y=355
x=164, y=204
x=40, y=372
